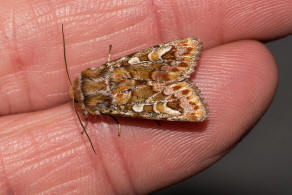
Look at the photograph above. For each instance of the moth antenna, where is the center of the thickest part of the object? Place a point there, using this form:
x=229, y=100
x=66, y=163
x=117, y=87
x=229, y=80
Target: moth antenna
x=109, y=53
x=65, y=59
x=68, y=76
x=84, y=129
x=86, y=123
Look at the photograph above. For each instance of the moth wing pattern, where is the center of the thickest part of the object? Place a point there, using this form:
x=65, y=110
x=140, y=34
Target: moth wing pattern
x=177, y=58
x=152, y=83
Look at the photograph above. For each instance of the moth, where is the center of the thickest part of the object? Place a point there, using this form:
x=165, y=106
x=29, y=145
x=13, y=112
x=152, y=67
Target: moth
x=151, y=84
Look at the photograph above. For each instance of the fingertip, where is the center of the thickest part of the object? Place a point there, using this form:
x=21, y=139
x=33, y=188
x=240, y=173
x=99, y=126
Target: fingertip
x=239, y=81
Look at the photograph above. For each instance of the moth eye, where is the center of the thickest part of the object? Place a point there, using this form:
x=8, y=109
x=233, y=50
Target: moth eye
x=75, y=100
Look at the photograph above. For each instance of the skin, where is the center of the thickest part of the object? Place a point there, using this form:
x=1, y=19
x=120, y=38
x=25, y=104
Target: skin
x=41, y=148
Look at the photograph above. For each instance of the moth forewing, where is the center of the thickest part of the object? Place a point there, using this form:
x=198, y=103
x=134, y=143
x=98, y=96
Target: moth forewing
x=151, y=84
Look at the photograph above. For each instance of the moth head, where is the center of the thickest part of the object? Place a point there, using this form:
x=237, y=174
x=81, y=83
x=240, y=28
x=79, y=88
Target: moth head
x=74, y=91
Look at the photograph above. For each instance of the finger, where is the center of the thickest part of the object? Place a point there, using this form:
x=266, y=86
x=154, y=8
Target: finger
x=32, y=73
x=44, y=151
x=217, y=22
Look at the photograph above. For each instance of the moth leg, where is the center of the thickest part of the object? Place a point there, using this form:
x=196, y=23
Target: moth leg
x=118, y=123
x=83, y=127
x=86, y=123
x=109, y=53
x=157, y=122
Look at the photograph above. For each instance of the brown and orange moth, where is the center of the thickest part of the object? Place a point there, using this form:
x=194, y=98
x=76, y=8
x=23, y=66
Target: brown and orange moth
x=151, y=84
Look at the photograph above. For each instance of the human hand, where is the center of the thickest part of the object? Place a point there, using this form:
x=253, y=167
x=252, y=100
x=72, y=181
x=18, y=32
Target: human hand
x=42, y=149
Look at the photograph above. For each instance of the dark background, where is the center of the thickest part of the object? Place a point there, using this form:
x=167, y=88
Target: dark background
x=262, y=162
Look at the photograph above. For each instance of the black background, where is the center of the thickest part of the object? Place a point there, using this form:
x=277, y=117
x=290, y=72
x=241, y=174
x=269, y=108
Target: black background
x=262, y=162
